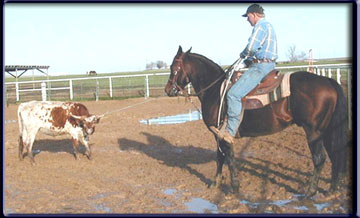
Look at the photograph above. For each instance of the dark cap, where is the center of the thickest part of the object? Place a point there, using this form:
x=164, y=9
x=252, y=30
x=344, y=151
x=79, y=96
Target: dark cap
x=254, y=8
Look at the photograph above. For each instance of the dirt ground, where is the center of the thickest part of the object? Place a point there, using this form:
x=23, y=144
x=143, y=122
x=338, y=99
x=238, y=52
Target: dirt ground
x=139, y=168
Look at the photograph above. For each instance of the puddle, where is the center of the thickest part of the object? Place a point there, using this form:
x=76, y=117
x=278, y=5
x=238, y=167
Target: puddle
x=175, y=119
x=101, y=207
x=170, y=191
x=199, y=205
x=10, y=121
x=8, y=211
x=321, y=206
x=308, y=206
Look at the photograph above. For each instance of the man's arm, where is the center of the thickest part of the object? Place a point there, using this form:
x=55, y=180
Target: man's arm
x=255, y=41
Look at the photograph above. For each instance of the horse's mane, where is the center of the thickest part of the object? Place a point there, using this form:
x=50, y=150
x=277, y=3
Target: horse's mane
x=205, y=59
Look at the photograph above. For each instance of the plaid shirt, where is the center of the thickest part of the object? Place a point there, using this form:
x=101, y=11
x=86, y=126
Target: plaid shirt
x=262, y=42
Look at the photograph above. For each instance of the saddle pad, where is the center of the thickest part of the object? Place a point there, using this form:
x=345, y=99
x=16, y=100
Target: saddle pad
x=258, y=101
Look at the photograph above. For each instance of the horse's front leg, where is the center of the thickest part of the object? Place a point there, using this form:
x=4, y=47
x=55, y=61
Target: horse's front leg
x=230, y=159
x=220, y=159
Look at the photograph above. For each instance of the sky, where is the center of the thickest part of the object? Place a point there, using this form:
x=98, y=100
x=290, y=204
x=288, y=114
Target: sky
x=107, y=38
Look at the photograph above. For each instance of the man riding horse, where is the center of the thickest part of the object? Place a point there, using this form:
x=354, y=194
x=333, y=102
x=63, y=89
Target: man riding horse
x=261, y=53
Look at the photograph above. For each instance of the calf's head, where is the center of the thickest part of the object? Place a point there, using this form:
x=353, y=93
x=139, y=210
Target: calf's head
x=87, y=123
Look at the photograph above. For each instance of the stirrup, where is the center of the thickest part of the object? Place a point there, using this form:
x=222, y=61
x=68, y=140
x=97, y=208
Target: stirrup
x=222, y=134
x=215, y=130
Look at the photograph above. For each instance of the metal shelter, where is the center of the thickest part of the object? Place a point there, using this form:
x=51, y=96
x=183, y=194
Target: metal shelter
x=16, y=68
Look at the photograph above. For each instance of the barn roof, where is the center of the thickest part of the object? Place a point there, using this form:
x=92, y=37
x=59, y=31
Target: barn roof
x=15, y=68
x=23, y=67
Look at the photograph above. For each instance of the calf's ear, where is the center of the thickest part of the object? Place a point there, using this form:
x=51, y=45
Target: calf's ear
x=97, y=118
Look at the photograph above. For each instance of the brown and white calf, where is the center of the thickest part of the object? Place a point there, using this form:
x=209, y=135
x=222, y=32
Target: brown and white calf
x=54, y=118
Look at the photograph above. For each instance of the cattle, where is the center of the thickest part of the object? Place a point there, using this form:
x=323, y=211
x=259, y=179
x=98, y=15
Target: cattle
x=92, y=73
x=54, y=118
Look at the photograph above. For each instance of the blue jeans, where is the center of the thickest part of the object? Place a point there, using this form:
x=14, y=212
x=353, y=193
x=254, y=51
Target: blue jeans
x=247, y=82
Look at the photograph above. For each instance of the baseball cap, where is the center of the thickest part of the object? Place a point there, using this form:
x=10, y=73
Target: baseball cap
x=254, y=8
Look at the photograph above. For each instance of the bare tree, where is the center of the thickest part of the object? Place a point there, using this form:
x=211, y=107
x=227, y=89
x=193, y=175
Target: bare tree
x=302, y=56
x=294, y=56
x=291, y=53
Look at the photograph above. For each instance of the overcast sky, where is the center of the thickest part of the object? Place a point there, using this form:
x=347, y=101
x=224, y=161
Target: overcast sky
x=75, y=38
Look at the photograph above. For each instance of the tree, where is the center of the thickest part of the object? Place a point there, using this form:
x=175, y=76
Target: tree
x=160, y=64
x=291, y=53
x=294, y=56
x=150, y=66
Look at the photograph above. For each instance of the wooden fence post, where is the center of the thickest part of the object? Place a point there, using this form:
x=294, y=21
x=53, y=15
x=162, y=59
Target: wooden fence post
x=110, y=87
x=97, y=90
x=338, y=76
x=147, y=94
x=71, y=90
x=17, y=91
x=43, y=91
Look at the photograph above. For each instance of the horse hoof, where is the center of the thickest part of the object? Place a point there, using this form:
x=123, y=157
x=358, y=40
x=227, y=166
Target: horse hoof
x=212, y=185
x=310, y=194
x=235, y=186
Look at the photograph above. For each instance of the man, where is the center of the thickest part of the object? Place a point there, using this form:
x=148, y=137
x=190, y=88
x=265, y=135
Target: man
x=261, y=53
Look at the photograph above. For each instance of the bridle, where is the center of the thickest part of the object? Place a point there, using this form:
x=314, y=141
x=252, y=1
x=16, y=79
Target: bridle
x=176, y=87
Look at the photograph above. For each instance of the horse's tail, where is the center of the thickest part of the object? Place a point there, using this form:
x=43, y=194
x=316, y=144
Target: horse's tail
x=337, y=139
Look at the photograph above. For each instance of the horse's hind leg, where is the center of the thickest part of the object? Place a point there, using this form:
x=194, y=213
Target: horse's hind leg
x=318, y=157
x=338, y=165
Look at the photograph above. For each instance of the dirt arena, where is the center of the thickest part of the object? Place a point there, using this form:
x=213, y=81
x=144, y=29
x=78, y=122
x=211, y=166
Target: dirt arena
x=139, y=168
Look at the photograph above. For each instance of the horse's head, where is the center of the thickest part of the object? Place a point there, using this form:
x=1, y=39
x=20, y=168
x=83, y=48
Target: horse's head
x=179, y=77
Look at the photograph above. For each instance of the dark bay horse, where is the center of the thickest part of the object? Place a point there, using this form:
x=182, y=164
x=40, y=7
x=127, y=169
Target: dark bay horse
x=316, y=103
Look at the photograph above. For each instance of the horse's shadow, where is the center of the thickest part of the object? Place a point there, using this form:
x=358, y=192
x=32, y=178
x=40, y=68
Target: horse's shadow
x=161, y=149
x=175, y=156
x=262, y=169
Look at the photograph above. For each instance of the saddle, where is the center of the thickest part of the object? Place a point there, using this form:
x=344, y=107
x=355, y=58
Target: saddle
x=272, y=88
x=270, y=82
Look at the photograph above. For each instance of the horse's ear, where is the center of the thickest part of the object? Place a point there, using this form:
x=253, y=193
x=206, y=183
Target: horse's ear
x=189, y=50
x=179, y=50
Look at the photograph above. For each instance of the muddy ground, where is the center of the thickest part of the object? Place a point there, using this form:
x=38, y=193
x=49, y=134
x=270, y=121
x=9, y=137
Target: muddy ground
x=138, y=168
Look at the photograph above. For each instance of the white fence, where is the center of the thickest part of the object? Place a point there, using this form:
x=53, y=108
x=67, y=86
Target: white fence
x=324, y=70
x=43, y=87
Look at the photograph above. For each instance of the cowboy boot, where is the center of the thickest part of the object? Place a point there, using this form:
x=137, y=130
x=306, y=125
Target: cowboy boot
x=225, y=135
x=222, y=134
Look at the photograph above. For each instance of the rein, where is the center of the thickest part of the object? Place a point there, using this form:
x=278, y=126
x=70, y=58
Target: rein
x=209, y=86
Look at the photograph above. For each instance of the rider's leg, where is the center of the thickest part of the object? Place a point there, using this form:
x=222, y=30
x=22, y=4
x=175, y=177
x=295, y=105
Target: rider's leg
x=247, y=82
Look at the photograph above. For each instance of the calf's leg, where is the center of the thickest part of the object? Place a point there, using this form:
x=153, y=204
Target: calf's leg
x=75, y=146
